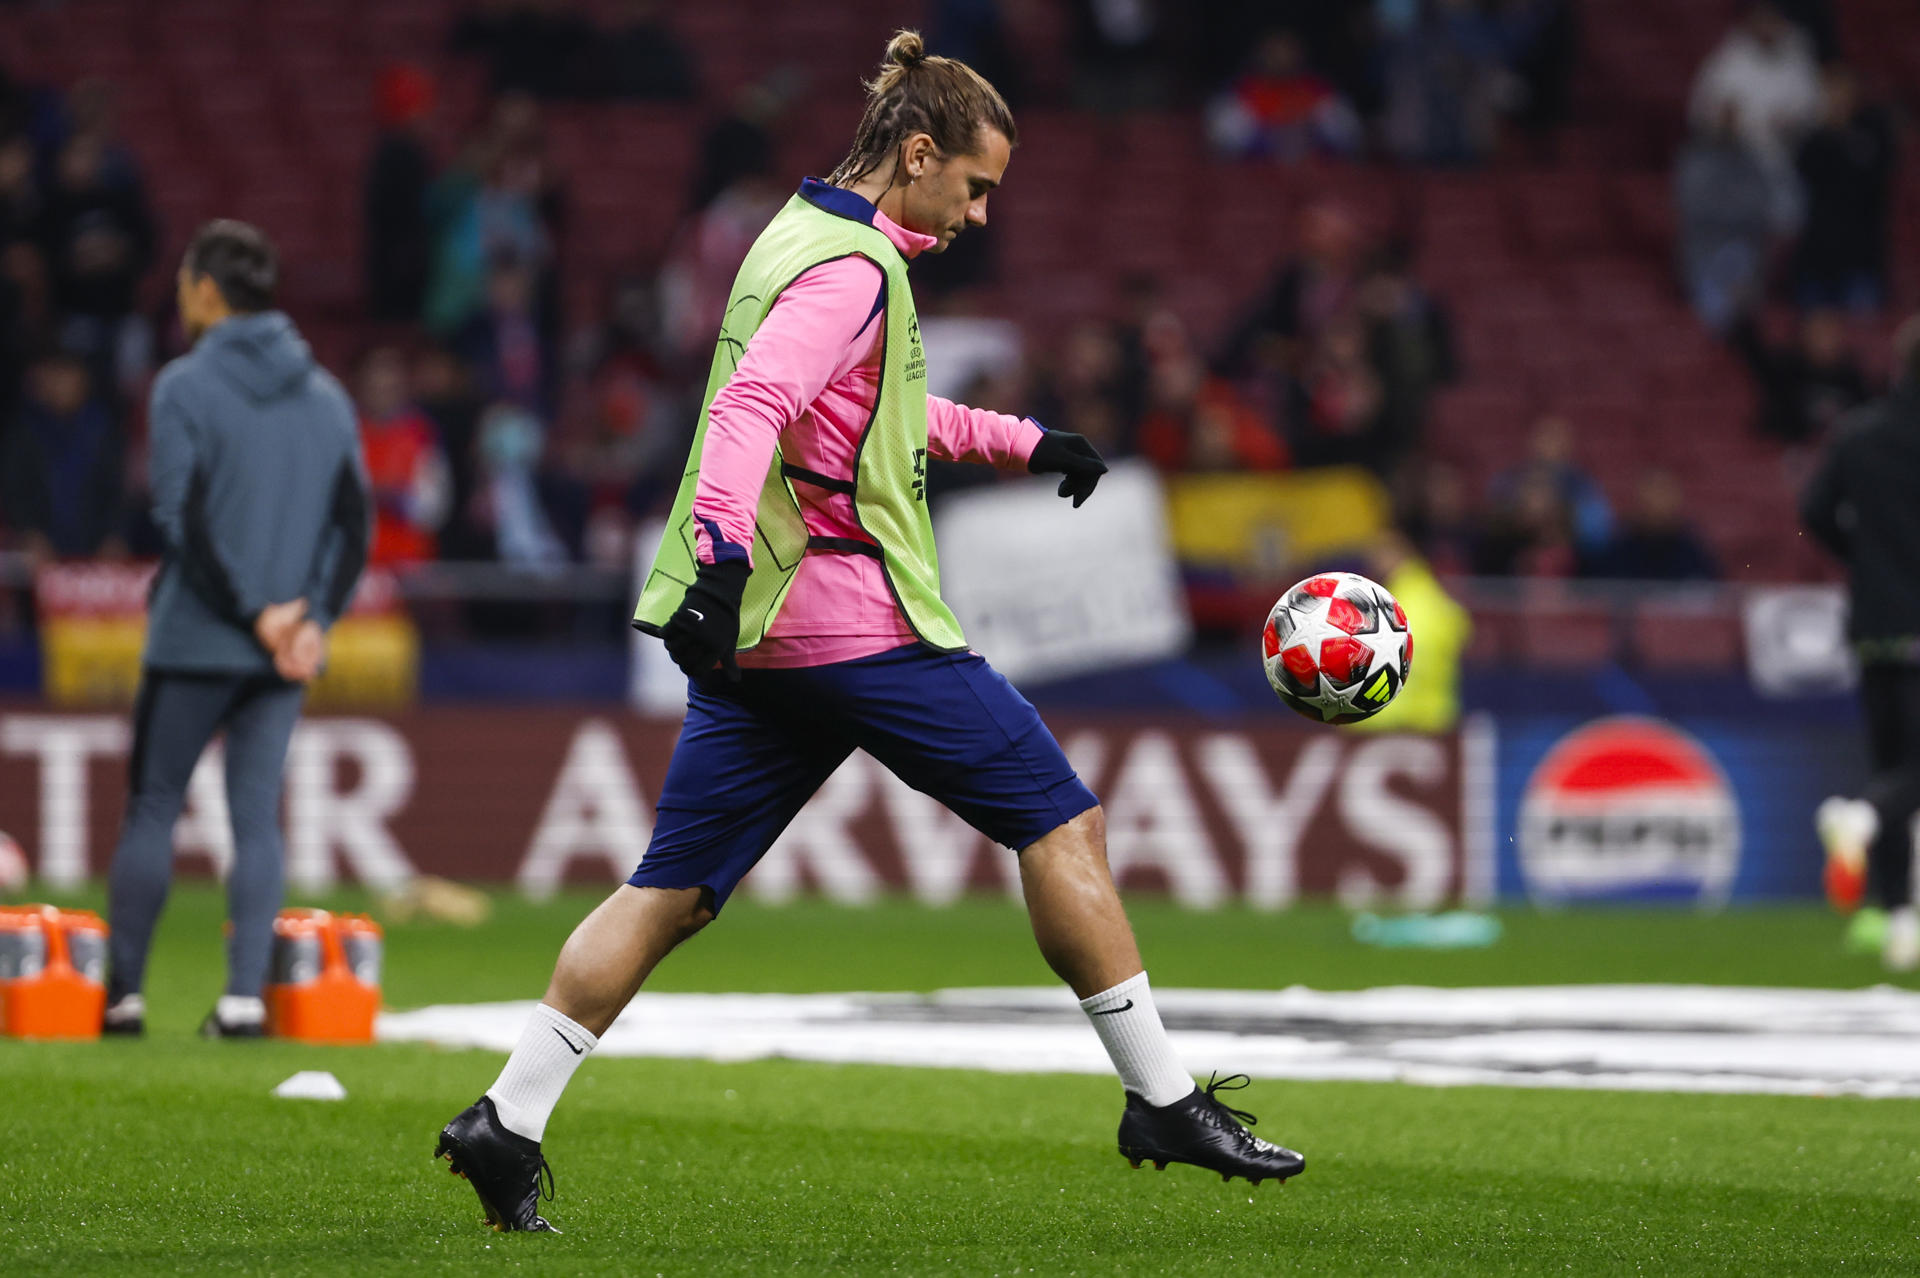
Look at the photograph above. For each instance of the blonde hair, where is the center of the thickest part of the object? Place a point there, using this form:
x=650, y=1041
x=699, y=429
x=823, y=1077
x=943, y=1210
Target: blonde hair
x=944, y=98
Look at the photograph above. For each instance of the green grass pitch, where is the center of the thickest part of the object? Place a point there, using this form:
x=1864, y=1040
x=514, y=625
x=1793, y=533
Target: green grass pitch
x=169, y=1156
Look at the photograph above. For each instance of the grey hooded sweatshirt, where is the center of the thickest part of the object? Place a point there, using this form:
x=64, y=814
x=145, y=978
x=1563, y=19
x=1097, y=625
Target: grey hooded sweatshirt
x=258, y=489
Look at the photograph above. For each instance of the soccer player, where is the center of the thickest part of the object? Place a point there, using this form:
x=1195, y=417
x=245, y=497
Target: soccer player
x=798, y=588
x=1861, y=504
x=258, y=492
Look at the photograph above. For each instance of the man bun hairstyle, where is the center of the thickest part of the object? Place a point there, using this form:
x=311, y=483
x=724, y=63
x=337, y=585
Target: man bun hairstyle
x=240, y=260
x=916, y=92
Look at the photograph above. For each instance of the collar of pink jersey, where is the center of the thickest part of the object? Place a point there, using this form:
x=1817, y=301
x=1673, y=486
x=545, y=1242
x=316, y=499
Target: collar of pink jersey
x=857, y=208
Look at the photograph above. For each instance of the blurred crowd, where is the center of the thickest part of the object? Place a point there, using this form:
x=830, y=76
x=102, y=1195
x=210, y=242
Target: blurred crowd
x=1548, y=518
x=1783, y=192
x=494, y=430
x=76, y=239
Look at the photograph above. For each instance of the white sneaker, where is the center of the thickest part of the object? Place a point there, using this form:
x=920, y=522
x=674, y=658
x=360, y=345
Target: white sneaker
x=1902, y=950
x=127, y=1015
x=1846, y=827
x=236, y=1016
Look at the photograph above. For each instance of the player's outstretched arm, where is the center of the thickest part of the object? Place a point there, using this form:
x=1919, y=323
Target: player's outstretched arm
x=958, y=433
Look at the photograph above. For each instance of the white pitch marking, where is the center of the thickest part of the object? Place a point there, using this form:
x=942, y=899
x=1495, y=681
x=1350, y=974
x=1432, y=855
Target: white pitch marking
x=1676, y=1038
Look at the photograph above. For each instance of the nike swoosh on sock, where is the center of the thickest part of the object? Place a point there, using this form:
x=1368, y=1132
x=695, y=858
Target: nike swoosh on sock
x=1111, y=1011
x=578, y=1050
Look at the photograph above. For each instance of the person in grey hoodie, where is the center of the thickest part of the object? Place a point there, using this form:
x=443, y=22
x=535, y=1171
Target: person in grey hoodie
x=259, y=491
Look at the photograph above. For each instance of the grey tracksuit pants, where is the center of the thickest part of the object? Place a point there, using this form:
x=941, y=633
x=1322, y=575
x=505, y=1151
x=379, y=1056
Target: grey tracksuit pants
x=175, y=716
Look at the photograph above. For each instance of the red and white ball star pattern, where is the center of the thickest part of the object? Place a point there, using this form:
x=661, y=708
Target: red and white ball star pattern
x=1326, y=641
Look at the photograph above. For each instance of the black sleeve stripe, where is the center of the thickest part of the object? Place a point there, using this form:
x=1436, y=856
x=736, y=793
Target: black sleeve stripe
x=350, y=519
x=200, y=560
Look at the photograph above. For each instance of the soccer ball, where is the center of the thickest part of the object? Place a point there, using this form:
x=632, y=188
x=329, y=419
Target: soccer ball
x=1337, y=648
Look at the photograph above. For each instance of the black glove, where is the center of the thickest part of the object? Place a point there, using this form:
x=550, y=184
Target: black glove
x=1062, y=452
x=706, y=626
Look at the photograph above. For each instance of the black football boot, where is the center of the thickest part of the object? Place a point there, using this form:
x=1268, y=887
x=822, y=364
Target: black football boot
x=1206, y=1133
x=503, y=1167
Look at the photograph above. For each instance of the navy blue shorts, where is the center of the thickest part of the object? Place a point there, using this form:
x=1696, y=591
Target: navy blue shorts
x=752, y=753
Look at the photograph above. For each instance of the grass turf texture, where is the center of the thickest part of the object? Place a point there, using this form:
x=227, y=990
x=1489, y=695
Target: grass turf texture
x=169, y=1155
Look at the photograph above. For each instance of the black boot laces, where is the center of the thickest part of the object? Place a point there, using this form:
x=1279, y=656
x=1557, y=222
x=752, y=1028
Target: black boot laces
x=1227, y=1084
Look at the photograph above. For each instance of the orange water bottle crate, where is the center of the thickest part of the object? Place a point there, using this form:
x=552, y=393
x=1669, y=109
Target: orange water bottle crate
x=324, y=986
x=53, y=965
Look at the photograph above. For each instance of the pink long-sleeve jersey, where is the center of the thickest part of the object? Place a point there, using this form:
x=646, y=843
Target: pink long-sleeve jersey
x=808, y=381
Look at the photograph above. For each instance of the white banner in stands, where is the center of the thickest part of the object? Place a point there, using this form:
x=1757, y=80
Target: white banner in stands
x=1045, y=591
x=1797, y=640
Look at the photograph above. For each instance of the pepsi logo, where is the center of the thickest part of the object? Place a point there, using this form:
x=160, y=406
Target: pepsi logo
x=1629, y=806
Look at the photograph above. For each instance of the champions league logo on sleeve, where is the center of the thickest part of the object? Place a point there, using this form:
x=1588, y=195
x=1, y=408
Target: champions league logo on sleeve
x=1629, y=807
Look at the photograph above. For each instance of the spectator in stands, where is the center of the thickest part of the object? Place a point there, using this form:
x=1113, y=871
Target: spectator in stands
x=1281, y=109
x=1657, y=542
x=1278, y=334
x=1549, y=465
x=975, y=32
x=503, y=346
x=1765, y=70
x=398, y=244
x=1530, y=532
x=642, y=59
x=1437, y=515
x=405, y=466
x=98, y=240
x=1545, y=54
x=1444, y=74
x=541, y=47
x=501, y=199
x=441, y=387
x=1081, y=390
x=1806, y=387
x=1846, y=173
x=1337, y=412
x=91, y=108
x=1196, y=421
x=60, y=463
x=1409, y=344
x=1727, y=218
x=20, y=195
x=1815, y=18
x=509, y=505
x=641, y=422
x=23, y=273
x=704, y=257
x=1119, y=55
x=1142, y=301
x=740, y=145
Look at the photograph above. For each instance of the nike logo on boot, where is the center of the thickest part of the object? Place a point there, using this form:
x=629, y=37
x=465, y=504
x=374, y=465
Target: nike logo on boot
x=1111, y=1011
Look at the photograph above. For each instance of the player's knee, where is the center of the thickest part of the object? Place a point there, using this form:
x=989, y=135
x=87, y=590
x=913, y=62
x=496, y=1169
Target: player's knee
x=699, y=913
x=1084, y=835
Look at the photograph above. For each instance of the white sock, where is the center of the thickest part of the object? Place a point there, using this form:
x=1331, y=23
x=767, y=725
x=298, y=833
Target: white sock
x=551, y=1047
x=1129, y=1028
x=238, y=1009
